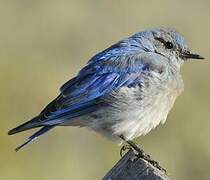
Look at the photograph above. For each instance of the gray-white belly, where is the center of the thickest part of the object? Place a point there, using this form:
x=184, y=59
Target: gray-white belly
x=134, y=111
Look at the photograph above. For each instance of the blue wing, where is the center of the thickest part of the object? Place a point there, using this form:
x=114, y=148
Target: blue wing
x=108, y=71
x=114, y=68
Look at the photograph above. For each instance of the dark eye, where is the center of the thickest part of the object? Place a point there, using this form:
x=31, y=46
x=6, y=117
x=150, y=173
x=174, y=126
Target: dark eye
x=169, y=45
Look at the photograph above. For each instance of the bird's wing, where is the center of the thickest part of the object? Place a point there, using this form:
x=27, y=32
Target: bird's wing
x=105, y=72
x=108, y=71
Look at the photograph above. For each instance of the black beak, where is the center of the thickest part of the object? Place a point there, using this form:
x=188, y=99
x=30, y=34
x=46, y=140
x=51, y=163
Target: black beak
x=189, y=55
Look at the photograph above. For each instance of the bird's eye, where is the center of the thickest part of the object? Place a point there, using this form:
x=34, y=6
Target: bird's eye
x=169, y=45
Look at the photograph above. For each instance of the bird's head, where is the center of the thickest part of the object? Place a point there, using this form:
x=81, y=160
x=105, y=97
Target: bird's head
x=169, y=43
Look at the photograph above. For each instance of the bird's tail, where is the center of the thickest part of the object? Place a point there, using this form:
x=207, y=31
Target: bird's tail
x=34, y=136
x=34, y=123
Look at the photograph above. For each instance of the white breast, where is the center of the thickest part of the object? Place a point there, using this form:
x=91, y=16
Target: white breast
x=142, y=109
x=135, y=111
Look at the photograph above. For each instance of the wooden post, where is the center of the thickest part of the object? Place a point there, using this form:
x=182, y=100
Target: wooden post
x=131, y=167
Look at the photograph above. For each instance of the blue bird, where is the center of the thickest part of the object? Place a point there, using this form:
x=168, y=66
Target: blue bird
x=123, y=92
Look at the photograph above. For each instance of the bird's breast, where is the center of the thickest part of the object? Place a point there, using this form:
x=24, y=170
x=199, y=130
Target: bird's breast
x=135, y=111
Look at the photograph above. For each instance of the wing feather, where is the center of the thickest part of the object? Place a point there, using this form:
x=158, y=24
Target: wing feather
x=108, y=71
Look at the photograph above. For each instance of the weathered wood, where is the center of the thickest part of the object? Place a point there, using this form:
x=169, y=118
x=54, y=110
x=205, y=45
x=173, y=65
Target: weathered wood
x=131, y=167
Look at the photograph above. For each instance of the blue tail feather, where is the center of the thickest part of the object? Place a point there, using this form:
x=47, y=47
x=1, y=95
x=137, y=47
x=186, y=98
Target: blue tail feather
x=34, y=136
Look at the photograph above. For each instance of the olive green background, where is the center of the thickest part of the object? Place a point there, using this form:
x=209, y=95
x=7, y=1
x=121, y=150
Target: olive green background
x=44, y=43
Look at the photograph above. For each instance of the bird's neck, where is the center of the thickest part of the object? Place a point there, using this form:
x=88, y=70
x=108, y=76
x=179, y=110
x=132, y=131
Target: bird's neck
x=175, y=66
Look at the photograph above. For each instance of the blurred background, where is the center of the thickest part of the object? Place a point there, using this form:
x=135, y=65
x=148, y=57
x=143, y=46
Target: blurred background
x=44, y=43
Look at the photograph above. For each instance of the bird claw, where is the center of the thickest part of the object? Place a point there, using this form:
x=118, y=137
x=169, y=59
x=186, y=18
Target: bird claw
x=140, y=153
x=147, y=158
x=124, y=148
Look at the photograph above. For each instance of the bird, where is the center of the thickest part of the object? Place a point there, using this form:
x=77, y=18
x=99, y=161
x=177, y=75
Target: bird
x=123, y=92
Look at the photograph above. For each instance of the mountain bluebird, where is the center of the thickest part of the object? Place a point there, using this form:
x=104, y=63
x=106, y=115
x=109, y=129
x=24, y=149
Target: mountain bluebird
x=123, y=92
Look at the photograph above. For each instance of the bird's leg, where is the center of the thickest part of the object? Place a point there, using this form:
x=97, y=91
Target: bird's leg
x=134, y=147
x=140, y=153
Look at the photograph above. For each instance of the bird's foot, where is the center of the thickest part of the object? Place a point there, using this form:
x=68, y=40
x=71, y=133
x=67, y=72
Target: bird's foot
x=151, y=161
x=124, y=148
x=140, y=153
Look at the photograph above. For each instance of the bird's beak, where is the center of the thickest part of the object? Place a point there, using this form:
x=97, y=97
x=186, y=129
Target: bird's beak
x=190, y=55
